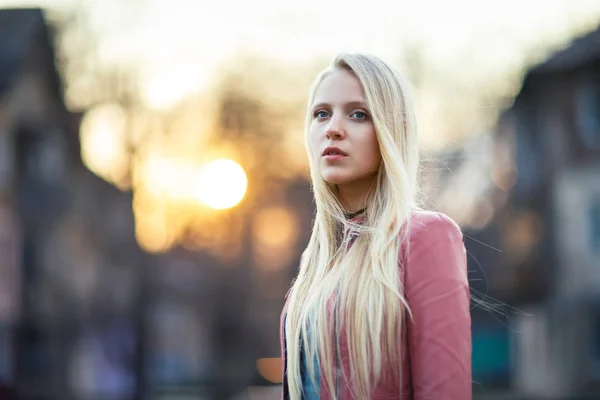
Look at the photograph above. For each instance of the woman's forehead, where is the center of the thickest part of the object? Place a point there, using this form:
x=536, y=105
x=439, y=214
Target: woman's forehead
x=340, y=87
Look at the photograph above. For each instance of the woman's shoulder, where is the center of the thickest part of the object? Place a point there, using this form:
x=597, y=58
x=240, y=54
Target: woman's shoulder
x=431, y=226
x=436, y=247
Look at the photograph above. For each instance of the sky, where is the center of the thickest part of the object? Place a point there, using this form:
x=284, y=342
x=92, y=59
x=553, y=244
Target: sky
x=199, y=35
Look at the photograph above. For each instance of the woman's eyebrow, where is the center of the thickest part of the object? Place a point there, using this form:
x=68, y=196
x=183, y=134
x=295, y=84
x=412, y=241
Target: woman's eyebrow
x=353, y=103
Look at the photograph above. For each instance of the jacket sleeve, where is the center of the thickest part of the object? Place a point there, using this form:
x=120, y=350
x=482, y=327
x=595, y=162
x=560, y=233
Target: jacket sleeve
x=437, y=292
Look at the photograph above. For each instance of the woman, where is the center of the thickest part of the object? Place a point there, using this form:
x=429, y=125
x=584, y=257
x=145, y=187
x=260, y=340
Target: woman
x=380, y=306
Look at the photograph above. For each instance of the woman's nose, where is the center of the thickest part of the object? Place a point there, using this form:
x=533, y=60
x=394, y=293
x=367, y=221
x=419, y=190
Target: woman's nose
x=335, y=128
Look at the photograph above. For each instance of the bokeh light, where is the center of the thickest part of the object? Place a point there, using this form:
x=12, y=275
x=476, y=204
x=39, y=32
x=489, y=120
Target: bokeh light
x=270, y=369
x=275, y=231
x=102, y=142
x=221, y=184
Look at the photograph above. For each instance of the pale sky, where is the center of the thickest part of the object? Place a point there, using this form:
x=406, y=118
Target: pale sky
x=179, y=43
x=178, y=46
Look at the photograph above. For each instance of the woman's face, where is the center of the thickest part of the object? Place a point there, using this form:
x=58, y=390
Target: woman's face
x=342, y=135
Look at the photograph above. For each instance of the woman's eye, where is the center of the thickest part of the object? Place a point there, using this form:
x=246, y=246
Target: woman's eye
x=321, y=114
x=359, y=115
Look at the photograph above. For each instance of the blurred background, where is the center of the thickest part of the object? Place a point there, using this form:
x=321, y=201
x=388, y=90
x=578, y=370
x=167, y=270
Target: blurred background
x=154, y=199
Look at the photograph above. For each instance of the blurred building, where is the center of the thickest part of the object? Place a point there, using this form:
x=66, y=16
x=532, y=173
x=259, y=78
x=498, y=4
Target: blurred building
x=545, y=198
x=527, y=196
x=68, y=257
x=554, y=129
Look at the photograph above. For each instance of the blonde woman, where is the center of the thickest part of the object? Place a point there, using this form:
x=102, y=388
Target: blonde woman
x=380, y=306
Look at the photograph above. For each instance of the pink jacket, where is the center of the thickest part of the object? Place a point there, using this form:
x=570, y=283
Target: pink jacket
x=436, y=348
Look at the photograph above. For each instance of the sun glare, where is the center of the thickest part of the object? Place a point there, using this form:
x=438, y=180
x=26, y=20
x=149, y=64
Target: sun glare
x=221, y=184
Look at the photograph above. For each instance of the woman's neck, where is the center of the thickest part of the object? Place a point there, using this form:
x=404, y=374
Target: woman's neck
x=350, y=215
x=353, y=196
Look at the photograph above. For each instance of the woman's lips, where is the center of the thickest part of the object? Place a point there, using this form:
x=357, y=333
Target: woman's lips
x=334, y=157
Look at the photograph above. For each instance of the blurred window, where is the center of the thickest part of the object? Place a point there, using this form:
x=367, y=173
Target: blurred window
x=6, y=354
x=6, y=160
x=528, y=157
x=491, y=353
x=595, y=327
x=594, y=218
x=587, y=111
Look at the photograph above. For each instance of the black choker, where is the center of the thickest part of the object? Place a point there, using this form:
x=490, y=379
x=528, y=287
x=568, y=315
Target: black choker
x=355, y=213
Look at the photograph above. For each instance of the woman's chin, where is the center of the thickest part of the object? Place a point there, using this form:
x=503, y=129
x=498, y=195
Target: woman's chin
x=336, y=179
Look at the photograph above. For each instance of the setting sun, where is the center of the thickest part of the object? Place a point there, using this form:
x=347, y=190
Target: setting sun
x=221, y=184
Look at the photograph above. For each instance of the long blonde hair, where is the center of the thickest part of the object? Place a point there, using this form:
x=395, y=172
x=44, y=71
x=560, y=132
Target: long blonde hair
x=359, y=284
